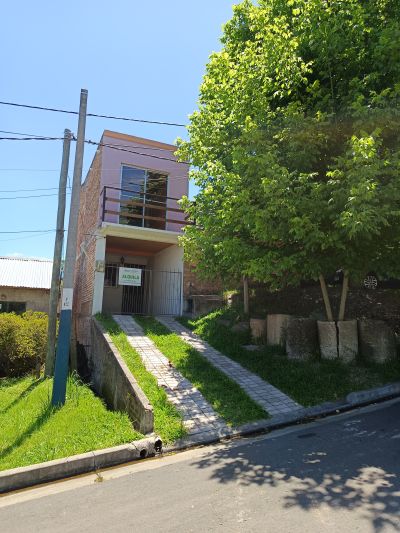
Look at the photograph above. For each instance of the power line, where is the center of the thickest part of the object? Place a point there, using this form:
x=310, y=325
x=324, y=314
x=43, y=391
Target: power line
x=88, y=141
x=29, y=170
x=31, y=138
x=121, y=145
x=29, y=231
x=27, y=237
x=30, y=196
x=30, y=190
x=19, y=133
x=115, y=147
x=112, y=117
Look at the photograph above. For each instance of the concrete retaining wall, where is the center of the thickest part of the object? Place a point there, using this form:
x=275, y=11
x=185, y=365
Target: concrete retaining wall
x=113, y=381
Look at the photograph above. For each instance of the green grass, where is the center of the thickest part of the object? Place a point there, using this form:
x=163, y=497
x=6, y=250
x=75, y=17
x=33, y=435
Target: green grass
x=32, y=431
x=225, y=396
x=307, y=382
x=168, y=421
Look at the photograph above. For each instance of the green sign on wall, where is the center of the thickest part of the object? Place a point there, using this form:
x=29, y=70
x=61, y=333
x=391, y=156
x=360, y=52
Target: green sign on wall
x=130, y=276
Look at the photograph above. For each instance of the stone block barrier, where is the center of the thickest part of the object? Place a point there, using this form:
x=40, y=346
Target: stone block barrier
x=328, y=339
x=302, y=338
x=377, y=340
x=277, y=325
x=348, y=340
x=258, y=327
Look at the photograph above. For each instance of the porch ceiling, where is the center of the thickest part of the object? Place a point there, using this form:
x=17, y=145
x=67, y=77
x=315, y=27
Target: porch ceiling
x=134, y=246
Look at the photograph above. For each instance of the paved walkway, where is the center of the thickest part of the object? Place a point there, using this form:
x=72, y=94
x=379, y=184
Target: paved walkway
x=198, y=415
x=274, y=401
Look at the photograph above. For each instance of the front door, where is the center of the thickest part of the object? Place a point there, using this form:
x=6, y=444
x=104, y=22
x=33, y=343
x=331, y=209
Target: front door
x=135, y=299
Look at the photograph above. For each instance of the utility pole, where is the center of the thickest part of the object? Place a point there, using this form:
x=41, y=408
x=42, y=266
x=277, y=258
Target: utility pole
x=55, y=279
x=64, y=334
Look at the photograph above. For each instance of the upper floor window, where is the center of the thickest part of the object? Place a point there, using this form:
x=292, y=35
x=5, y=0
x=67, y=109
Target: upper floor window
x=143, y=198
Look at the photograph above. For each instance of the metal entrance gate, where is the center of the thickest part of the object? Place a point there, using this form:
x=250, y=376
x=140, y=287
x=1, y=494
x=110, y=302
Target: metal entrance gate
x=160, y=292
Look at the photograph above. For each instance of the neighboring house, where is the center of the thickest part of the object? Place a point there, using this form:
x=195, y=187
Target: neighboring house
x=24, y=284
x=128, y=258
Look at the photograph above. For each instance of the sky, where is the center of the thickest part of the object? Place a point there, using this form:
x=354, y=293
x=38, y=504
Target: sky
x=136, y=59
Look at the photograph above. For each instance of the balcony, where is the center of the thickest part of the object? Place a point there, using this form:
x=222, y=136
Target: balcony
x=143, y=210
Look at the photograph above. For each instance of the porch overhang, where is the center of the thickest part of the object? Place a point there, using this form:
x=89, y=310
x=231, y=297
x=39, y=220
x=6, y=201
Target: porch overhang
x=110, y=229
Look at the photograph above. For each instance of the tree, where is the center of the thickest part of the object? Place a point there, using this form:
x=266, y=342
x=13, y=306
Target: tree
x=296, y=144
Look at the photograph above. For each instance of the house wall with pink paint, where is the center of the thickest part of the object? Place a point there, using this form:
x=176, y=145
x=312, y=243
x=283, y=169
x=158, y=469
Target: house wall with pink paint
x=143, y=154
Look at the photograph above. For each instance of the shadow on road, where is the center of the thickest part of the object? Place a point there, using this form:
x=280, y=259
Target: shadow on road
x=351, y=464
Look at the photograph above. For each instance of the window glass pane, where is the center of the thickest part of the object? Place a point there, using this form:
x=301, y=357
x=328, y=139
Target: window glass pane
x=156, y=201
x=133, y=187
x=12, y=307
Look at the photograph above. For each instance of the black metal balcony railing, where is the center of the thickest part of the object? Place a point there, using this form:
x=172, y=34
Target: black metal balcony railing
x=140, y=209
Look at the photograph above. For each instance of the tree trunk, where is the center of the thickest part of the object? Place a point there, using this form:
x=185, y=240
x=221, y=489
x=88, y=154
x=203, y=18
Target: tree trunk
x=343, y=297
x=245, y=295
x=325, y=295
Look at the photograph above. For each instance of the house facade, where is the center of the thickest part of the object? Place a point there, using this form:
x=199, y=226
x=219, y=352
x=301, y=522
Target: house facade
x=128, y=257
x=24, y=284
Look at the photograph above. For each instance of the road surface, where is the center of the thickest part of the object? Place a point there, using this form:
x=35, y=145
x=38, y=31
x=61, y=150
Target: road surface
x=340, y=474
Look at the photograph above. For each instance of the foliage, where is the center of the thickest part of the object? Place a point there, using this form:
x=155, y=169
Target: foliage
x=296, y=143
x=226, y=397
x=23, y=341
x=307, y=382
x=32, y=431
x=168, y=422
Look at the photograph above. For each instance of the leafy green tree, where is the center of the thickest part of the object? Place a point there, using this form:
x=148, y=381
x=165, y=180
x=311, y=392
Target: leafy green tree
x=296, y=144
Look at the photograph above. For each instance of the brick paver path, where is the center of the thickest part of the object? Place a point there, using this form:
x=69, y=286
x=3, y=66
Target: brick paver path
x=198, y=415
x=269, y=397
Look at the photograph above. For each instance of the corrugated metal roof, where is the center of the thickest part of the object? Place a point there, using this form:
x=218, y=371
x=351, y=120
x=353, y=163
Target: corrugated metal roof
x=21, y=272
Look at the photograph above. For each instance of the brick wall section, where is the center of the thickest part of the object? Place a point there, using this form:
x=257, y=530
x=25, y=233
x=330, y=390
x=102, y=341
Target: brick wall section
x=89, y=218
x=35, y=299
x=193, y=284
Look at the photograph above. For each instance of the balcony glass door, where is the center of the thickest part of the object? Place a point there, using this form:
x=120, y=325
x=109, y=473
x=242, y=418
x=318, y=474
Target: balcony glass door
x=143, y=198
x=133, y=185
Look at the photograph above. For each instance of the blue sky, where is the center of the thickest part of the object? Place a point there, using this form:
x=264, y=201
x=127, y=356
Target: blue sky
x=137, y=59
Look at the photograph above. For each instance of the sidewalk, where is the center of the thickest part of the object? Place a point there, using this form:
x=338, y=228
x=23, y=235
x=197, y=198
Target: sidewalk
x=199, y=417
x=271, y=399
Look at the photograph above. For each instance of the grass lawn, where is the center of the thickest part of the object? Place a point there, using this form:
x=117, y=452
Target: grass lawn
x=307, y=382
x=32, y=431
x=225, y=396
x=168, y=421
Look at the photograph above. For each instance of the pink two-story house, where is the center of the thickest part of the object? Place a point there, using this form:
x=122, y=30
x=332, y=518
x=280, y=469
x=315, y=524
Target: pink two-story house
x=128, y=257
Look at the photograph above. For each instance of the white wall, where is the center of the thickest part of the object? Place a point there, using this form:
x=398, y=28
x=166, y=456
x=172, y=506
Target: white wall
x=167, y=290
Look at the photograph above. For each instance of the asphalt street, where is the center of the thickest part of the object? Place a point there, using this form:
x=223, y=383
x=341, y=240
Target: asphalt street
x=339, y=474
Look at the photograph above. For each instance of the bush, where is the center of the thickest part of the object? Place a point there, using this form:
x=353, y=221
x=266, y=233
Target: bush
x=23, y=341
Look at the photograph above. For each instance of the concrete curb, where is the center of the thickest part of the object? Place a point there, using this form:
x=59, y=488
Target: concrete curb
x=26, y=476
x=299, y=416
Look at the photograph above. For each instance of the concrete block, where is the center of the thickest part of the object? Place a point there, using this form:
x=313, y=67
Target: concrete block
x=112, y=379
x=277, y=325
x=348, y=340
x=328, y=340
x=377, y=340
x=258, y=327
x=302, y=338
x=241, y=327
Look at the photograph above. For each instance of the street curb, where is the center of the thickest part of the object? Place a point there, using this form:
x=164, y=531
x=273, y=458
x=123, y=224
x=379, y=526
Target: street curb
x=26, y=476
x=299, y=416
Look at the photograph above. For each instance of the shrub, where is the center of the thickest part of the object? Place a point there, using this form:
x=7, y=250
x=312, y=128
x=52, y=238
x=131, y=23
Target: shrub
x=22, y=342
